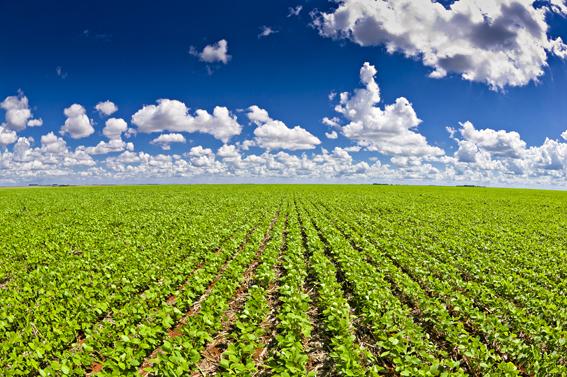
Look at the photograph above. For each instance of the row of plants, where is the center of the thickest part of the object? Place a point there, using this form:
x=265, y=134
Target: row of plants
x=288, y=356
x=411, y=281
x=432, y=314
x=131, y=328
x=404, y=347
x=138, y=326
x=514, y=327
x=248, y=338
x=76, y=295
x=349, y=357
x=538, y=350
x=179, y=354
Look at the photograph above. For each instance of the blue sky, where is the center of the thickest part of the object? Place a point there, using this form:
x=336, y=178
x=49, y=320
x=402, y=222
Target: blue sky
x=56, y=54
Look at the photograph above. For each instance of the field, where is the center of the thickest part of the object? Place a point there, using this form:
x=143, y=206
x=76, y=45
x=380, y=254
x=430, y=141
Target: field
x=283, y=280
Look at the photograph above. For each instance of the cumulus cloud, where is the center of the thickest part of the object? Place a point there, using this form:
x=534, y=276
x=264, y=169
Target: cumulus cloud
x=257, y=115
x=52, y=144
x=499, y=144
x=228, y=151
x=22, y=149
x=165, y=140
x=113, y=130
x=353, y=148
x=501, y=43
x=201, y=157
x=544, y=164
x=111, y=146
x=559, y=6
x=77, y=125
x=331, y=122
x=214, y=53
x=114, y=127
x=331, y=135
x=266, y=31
x=18, y=113
x=487, y=151
x=390, y=131
x=7, y=137
x=483, y=156
x=51, y=160
x=35, y=122
x=274, y=134
x=106, y=108
x=173, y=116
x=247, y=144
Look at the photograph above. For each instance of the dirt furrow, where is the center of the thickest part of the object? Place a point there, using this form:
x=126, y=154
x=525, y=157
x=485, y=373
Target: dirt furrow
x=213, y=351
x=107, y=317
x=195, y=308
x=269, y=324
x=438, y=338
x=362, y=331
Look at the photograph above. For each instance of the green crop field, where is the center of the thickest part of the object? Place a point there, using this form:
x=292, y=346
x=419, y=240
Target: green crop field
x=283, y=280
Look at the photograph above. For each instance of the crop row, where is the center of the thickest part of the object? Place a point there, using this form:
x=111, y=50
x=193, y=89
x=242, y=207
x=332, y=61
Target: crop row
x=527, y=339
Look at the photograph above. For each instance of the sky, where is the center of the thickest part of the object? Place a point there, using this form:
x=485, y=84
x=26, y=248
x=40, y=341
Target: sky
x=348, y=91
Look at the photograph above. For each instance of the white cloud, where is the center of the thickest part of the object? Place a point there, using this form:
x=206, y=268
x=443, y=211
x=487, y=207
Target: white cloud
x=173, y=116
x=545, y=164
x=114, y=127
x=35, y=122
x=228, y=151
x=17, y=112
x=113, y=130
x=201, y=157
x=559, y=6
x=499, y=144
x=483, y=156
x=331, y=135
x=231, y=159
x=51, y=143
x=354, y=148
x=111, y=146
x=274, y=134
x=221, y=123
x=390, y=131
x=77, y=125
x=331, y=122
x=501, y=42
x=7, y=137
x=106, y=108
x=51, y=160
x=552, y=155
x=247, y=144
x=257, y=115
x=489, y=153
x=294, y=11
x=266, y=31
x=165, y=140
x=215, y=53
x=167, y=115
x=22, y=149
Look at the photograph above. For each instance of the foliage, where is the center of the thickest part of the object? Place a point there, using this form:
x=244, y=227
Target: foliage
x=410, y=281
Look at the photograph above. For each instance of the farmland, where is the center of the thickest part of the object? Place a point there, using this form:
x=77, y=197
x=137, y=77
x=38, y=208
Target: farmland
x=283, y=280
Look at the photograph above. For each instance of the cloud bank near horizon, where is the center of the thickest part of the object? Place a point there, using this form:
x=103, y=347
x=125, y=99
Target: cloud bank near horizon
x=388, y=133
